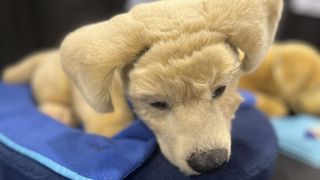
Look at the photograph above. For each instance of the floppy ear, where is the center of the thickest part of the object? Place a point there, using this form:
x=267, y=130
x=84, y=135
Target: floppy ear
x=252, y=27
x=91, y=54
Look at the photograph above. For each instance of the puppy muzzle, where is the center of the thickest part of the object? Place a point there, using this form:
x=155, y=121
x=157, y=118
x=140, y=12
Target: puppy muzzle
x=207, y=161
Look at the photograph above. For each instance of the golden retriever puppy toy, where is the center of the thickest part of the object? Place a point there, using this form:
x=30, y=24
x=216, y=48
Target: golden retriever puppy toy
x=177, y=61
x=287, y=79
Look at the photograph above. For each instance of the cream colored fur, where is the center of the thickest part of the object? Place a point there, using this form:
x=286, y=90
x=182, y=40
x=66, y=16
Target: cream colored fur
x=178, y=52
x=292, y=70
x=57, y=97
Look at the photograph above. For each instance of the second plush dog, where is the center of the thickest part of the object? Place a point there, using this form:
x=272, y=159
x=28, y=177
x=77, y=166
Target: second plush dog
x=287, y=80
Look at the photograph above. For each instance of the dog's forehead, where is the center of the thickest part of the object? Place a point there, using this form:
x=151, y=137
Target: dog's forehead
x=199, y=56
x=179, y=47
x=195, y=73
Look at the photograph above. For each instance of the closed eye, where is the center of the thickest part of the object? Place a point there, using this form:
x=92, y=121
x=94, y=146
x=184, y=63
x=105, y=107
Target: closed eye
x=218, y=92
x=161, y=105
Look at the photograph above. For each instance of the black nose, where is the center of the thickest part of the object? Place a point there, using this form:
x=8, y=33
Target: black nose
x=207, y=161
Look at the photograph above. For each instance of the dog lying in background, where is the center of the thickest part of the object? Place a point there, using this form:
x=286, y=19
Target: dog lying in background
x=288, y=79
x=178, y=63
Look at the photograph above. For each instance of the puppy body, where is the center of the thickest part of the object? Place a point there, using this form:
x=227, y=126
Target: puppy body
x=60, y=99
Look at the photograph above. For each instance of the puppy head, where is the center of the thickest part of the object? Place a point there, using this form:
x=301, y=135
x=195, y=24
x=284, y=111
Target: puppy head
x=184, y=69
x=185, y=91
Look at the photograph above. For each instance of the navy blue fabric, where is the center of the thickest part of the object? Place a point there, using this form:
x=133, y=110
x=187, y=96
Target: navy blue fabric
x=14, y=166
x=254, y=146
x=254, y=151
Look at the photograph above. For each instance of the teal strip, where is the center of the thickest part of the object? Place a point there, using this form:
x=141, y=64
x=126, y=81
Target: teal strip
x=42, y=159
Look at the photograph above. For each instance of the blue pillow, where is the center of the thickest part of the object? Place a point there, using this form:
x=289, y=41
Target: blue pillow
x=67, y=151
x=292, y=132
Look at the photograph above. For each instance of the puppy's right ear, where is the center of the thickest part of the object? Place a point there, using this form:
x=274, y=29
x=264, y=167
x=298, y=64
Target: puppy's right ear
x=251, y=27
x=91, y=55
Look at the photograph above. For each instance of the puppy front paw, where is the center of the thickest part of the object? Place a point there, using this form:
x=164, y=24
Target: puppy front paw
x=58, y=112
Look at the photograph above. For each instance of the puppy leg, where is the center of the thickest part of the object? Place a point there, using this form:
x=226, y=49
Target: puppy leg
x=271, y=105
x=58, y=112
x=105, y=124
x=51, y=89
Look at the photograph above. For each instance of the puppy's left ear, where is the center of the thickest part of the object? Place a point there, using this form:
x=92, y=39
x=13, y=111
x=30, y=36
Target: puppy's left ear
x=252, y=28
x=92, y=54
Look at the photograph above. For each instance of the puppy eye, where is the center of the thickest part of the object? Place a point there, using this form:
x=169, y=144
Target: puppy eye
x=160, y=105
x=219, y=91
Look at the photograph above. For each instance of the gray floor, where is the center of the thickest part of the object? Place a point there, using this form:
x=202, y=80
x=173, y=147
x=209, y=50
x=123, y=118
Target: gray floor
x=289, y=169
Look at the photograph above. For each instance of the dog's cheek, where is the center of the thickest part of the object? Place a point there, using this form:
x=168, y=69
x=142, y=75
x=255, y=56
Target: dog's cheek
x=147, y=115
x=230, y=103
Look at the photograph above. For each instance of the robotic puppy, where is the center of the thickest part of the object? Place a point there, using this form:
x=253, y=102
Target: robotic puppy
x=178, y=63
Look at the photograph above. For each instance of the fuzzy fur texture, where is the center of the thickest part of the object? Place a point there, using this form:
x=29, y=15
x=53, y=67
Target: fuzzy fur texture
x=58, y=98
x=103, y=47
x=178, y=52
x=292, y=70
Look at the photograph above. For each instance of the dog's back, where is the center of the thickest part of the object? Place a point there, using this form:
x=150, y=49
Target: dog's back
x=43, y=70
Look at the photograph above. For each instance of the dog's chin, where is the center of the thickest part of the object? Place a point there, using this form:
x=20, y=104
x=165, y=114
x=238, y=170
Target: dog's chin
x=183, y=167
x=180, y=163
x=190, y=172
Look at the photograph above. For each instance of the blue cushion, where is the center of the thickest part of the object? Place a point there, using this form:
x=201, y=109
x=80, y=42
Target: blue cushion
x=36, y=147
x=67, y=151
x=294, y=141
